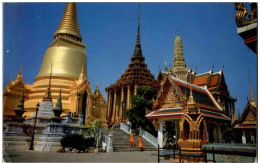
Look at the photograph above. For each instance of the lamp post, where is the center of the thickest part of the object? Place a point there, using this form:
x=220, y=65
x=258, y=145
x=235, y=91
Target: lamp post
x=32, y=139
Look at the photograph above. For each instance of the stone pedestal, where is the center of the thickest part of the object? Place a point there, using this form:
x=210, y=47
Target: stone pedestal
x=50, y=141
x=16, y=129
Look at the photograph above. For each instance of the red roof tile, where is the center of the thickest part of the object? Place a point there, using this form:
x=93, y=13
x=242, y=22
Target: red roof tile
x=214, y=80
x=200, y=80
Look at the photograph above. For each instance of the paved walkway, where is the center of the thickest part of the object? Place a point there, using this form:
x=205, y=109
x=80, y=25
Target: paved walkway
x=35, y=156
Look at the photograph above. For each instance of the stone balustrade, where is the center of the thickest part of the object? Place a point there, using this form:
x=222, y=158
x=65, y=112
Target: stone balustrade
x=148, y=137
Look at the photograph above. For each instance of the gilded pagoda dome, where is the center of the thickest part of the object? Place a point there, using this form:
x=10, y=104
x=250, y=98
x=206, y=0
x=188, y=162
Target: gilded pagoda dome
x=66, y=54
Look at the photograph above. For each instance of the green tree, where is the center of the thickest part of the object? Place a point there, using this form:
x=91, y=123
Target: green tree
x=230, y=135
x=141, y=101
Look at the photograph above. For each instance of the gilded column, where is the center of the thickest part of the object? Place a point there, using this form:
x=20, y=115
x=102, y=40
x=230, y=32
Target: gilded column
x=122, y=101
x=135, y=89
x=114, y=107
x=108, y=105
x=128, y=96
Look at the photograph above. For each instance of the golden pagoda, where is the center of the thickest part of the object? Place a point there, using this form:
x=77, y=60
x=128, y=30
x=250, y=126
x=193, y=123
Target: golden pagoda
x=65, y=60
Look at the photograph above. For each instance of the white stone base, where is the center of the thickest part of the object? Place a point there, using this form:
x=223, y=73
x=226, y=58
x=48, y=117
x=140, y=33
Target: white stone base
x=48, y=144
x=16, y=142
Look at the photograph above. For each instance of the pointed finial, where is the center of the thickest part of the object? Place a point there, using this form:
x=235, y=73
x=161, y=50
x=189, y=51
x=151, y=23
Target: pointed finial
x=138, y=51
x=196, y=68
x=165, y=66
x=19, y=75
x=178, y=32
x=20, y=72
x=160, y=68
x=222, y=67
x=139, y=5
x=252, y=102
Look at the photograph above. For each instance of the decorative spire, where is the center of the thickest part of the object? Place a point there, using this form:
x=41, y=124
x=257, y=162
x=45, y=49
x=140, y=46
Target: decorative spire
x=211, y=71
x=58, y=108
x=191, y=99
x=82, y=76
x=47, y=96
x=19, y=75
x=97, y=89
x=97, y=85
x=138, y=50
x=19, y=110
x=179, y=65
x=252, y=100
x=69, y=26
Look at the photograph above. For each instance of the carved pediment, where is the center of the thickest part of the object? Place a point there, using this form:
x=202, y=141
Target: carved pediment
x=171, y=96
x=250, y=116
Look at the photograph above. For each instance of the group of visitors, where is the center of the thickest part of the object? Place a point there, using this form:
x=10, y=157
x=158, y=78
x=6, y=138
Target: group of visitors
x=139, y=142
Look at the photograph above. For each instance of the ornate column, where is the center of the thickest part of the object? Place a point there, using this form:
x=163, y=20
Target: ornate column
x=244, y=137
x=160, y=134
x=121, y=106
x=108, y=105
x=114, y=107
x=128, y=96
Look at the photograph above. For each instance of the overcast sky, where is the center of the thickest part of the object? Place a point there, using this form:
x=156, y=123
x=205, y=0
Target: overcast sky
x=208, y=32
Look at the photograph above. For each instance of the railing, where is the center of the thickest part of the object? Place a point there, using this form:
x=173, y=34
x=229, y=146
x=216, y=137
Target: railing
x=125, y=127
x=165, y=155
x=202, y=155
x=107, y=143
x=147, y=136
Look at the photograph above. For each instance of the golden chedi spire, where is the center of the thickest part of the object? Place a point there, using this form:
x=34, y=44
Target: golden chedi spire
x=19, y=75
x=69, y=22
x=252, y=100
x=66, y=51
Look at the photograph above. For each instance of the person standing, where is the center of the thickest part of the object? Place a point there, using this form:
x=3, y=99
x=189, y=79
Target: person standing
x=140, y=143
x=131, y=139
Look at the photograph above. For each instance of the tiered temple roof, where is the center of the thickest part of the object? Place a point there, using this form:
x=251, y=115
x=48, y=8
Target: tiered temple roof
x=137, y=72
x=204, y=100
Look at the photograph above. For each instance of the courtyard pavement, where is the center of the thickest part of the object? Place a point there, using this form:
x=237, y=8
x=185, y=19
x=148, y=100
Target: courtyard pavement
x=36, y=156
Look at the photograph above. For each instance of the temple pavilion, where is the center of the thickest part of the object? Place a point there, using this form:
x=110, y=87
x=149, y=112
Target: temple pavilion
x=197, y=104
x=247, y=122
x=65, y=60
x=121, y=92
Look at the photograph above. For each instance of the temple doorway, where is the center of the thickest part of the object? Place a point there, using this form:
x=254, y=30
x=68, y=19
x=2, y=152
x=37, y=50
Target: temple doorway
x=186, y=131
x=169, y=130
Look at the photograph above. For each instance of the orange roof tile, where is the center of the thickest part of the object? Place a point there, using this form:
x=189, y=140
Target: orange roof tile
x=214, y=80
x=200, y=80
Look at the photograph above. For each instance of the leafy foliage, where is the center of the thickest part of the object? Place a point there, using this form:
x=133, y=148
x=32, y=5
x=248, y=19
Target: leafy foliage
x=77, y=141
x=141, y=101
x=229, y=134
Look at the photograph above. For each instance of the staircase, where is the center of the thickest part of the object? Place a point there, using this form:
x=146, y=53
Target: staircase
x=121, y=142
